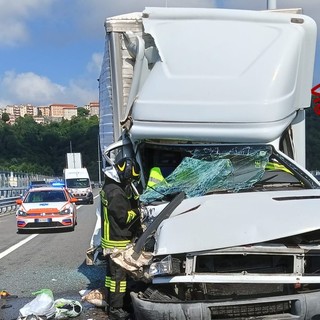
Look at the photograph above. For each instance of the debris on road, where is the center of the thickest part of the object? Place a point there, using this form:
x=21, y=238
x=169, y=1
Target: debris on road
x=11, y=304
x=96, y=297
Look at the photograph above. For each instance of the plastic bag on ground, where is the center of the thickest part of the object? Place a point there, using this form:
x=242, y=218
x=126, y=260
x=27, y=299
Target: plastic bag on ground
x=66, y=308
x=41, y=305
x=33, y=317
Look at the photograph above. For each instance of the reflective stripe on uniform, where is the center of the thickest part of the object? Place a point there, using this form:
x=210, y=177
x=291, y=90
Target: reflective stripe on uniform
x=277, y=166
x=112, y=285
x=106, y=230
x=131, y=216
x=107, y=282
x=110, y=244
x=155, y=176
x=106, y=243
x=123, y=286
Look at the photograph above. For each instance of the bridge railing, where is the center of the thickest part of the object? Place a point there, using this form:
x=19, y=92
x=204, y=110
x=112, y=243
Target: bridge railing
x=8, y=205
x=8, y=197
x=13, y=185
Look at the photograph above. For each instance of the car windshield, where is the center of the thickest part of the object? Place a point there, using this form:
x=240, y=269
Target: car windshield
x=37, y=184
x=211, y=169
x=45, y=196
x=78, y=183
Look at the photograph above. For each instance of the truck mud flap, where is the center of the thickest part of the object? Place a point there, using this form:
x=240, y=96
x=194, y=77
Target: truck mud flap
x=164, y=214
x=298, y=306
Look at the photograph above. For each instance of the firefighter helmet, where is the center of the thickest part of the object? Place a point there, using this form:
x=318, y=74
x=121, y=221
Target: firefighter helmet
x=128, y=170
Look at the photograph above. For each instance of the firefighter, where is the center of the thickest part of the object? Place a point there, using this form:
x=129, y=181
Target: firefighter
x=155, y=177
x=120, y=224
x=271, y=166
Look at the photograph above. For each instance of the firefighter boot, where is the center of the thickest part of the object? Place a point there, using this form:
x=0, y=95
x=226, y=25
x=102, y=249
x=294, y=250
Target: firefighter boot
x=118, y=314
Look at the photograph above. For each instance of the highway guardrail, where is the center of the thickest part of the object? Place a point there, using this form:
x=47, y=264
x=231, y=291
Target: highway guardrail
x=8, y=205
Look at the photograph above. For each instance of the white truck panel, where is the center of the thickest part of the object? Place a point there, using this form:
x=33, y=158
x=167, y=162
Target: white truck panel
x=272, y=54
x=205, y=131
x=228, y=223
x=74, y=160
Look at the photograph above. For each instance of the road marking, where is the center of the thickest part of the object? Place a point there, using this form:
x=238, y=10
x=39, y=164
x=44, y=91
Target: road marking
x=16, y=246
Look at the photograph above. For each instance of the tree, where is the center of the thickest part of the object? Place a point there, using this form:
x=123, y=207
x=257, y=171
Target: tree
x=82, y=112
x=312, y=138
x=5, y=117
x=42, y=148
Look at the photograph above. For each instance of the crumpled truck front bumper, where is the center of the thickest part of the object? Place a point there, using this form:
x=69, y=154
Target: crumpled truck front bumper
x=297, y=306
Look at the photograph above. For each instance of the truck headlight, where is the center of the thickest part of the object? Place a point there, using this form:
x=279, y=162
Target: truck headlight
x=167, y=265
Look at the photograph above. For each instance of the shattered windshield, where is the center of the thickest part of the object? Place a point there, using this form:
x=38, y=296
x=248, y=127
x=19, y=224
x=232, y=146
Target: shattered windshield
x=208, y=169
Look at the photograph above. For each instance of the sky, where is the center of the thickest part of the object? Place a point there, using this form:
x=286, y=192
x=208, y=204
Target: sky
x=51, y=50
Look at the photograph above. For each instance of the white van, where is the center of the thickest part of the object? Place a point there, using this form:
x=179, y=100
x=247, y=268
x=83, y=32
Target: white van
x=78, y=183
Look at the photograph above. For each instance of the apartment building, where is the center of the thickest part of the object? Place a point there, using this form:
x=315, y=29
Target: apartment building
x=65, y=111
x=44, y=114
x=44, y=111
x=21, y=110
x=93, y=109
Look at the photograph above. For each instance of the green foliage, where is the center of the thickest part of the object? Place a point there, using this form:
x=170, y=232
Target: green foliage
x=312, y=139
x=5, y=117
x=82, y=112
x=30, y=147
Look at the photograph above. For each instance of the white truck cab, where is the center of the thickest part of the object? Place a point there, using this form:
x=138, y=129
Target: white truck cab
x=216, y=99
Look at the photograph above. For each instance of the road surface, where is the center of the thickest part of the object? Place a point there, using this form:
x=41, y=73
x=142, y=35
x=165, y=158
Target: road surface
x=54, y=260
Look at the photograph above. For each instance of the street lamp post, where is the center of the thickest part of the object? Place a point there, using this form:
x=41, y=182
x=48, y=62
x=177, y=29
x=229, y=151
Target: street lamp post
x=99, y=162
x=271, y=4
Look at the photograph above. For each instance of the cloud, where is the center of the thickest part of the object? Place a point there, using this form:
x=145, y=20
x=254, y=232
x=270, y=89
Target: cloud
x=14, y=17
x=94, y=65
x=29, y=88
x=38, y=90
x=55, y=28
x=16, y=35
x=92, y=14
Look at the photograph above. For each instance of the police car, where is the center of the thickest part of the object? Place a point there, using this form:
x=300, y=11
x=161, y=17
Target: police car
x=46, y=208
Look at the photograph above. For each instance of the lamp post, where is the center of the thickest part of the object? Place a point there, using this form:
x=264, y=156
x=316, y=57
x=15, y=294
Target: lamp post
x=99, y=162
x=271, y=4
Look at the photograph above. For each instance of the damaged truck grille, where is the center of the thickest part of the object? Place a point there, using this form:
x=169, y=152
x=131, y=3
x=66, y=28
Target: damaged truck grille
x=250, y=310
